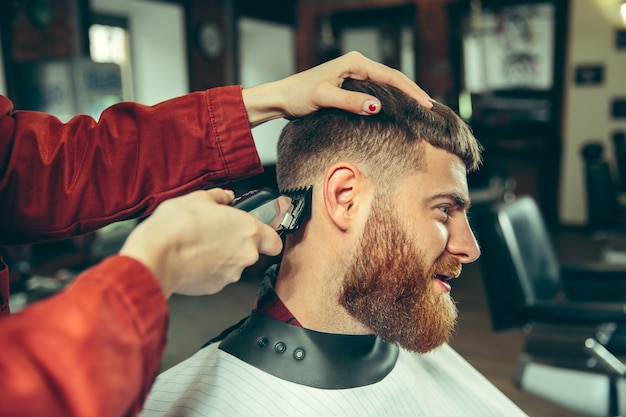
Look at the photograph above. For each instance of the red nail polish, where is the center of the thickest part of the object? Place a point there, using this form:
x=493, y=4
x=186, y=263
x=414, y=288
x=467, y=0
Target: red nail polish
x=370, y=106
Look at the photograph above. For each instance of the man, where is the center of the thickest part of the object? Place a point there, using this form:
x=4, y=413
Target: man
x=356, y=318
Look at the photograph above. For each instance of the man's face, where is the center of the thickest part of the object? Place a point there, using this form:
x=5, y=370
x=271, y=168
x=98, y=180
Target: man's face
x=395, y=283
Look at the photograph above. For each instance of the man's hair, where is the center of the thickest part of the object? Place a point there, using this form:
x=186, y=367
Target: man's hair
x=383, y=146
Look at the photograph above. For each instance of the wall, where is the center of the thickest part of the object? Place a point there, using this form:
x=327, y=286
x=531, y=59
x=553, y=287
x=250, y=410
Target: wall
x=161, y=67
x=259, y=64
x=216, y=71
x=158, y=46
x=587, y=108
x=46, y=33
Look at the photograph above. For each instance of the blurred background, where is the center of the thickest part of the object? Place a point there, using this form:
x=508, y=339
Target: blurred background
x=542, y=83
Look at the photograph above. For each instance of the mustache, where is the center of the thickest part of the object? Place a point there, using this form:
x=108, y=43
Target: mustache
x=447, y=265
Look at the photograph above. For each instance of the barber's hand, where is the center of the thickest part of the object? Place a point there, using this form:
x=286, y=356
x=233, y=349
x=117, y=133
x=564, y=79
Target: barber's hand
x=196, y=244
x=310, y=90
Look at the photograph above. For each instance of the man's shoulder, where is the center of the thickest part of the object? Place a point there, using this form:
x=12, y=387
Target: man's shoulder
x=225, y=332
x=444, y=371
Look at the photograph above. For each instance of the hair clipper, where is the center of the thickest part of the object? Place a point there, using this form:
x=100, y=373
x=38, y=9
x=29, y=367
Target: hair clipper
x=285, y=211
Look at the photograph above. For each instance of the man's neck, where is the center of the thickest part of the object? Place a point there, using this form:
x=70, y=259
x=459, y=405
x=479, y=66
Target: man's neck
x=311, y=295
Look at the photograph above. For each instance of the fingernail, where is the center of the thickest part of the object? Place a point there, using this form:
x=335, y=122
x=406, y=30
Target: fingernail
x=370, y=106
x=230, y=192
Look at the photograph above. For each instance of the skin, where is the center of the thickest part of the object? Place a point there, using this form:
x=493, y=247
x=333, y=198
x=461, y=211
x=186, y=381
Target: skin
x=436, y=202
x=432, y=205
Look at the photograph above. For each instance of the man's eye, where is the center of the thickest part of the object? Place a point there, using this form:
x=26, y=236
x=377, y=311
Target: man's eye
x=445, y=209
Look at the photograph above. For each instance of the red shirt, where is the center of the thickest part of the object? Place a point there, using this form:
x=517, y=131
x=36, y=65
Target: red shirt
x=94, y=349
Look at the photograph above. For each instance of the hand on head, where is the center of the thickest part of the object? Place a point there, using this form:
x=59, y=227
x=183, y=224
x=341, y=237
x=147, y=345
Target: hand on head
x=196, y=244
x=318, y=87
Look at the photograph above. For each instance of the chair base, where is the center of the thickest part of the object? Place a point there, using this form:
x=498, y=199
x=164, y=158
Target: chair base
x=557, y=366
x=583, y=391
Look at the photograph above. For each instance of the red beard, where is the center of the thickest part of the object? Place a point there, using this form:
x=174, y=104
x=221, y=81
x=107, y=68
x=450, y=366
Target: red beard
x=388, y=286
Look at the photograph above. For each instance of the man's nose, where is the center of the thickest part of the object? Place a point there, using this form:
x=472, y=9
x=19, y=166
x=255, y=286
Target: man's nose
x=463, y=244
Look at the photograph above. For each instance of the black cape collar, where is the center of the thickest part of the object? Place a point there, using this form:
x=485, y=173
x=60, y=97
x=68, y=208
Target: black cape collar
x=307, y=357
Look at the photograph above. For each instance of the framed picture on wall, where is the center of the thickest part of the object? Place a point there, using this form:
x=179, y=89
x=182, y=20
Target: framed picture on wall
x=510, y=48
x=510, y=63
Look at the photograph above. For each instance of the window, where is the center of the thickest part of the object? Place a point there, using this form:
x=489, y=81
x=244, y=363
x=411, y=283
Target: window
x=109, y=42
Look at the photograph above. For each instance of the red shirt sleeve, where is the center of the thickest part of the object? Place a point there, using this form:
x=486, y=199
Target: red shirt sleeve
x=94, y=349
x=62, y=179
x=91, y=350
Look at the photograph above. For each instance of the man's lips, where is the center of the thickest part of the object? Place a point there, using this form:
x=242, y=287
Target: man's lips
x=445, y=277
x=442, y=280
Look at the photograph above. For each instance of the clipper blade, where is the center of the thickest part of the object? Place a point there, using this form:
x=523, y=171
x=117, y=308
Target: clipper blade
x=301, y=199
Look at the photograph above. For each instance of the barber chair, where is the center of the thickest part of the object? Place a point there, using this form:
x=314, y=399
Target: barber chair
x=605, y=210
x=619, y=145
x=557, y=306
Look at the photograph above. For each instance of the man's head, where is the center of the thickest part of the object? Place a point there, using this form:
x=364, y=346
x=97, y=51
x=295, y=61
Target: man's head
x=385, y=146
x=389, y=218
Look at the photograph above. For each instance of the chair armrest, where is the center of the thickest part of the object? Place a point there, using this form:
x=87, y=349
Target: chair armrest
x=577, y=312
x=594, y=281
x=609, y=270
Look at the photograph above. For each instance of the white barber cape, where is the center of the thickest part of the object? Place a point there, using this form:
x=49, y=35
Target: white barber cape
x=215, y=383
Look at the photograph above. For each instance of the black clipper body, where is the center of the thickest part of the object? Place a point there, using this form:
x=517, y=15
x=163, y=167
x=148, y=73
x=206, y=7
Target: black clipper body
x=285, y=211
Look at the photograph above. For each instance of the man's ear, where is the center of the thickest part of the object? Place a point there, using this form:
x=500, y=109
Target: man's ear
x=343, y=193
